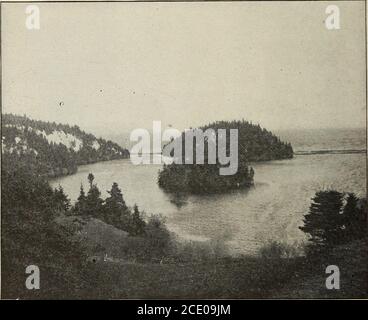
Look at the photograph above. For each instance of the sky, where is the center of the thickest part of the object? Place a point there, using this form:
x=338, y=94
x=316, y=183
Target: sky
x=114, y=67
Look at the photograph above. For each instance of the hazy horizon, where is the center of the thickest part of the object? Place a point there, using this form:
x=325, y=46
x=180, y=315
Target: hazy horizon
x=271, y=64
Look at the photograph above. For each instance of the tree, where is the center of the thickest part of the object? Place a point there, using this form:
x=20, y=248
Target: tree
x=325, y=221
x=335, y=218
x=80, y=205
x=116, y=212
x=355, y=218
x=94, y=203
x=137, y=225
x=61, y=199
x=90, y=178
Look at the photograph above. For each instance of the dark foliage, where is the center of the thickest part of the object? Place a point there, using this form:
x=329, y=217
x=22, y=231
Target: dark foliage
x=31, y=236
x=112, y=210
x=334, y=218
x=254, y=144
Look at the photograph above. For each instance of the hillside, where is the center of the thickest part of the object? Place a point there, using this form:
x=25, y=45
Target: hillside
x=51, y=149
x=254, y=144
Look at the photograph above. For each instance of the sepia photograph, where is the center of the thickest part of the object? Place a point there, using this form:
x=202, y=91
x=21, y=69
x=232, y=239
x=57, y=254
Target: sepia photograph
x=184, y=150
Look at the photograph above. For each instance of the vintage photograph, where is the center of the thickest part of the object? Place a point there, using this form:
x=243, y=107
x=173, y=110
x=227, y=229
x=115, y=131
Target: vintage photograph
x=184, y=150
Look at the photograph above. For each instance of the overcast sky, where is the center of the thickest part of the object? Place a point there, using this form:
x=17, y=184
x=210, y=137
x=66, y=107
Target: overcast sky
x=119, y=66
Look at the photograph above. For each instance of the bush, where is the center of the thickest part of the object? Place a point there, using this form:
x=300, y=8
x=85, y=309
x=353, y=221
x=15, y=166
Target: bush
x=158, y=238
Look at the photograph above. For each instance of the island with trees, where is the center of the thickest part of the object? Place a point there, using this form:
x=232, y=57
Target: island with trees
x=254, y=144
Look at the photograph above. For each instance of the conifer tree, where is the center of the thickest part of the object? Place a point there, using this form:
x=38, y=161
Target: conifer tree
x=61, y=199
x=94, y=203
x=355, y=218
x=325, y=221
x=137, y=226
x=116, y=212
x=80, y=205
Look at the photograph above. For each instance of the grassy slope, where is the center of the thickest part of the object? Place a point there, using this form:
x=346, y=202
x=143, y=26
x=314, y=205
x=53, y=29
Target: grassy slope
x=352, y=260
x=245, y=277
x=226, y=277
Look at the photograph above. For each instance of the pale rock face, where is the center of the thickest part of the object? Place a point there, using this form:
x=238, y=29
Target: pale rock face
x=57, y=137
x=18, y=127
x=66, y=139
x=24, y=148
x=95, y=145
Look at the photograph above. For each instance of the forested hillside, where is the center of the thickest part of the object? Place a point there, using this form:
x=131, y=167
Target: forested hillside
x=51, y=149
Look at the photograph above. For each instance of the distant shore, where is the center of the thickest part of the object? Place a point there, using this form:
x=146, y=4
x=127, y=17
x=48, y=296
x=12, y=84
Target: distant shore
x=312, y=152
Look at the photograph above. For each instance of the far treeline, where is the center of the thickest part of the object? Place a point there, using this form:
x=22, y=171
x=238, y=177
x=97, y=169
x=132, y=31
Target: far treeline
x=254, y=144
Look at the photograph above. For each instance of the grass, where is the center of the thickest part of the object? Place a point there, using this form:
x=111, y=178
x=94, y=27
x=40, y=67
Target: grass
x=245, y=277
x=191, y=272
x=225, y=278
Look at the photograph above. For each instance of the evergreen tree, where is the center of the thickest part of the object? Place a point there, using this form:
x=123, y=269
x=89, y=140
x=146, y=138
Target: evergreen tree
x=137, y=226
x=90, y=178
x=335, y=218
x=61, y=199
x=355, y=218
x=325, y=221
x=80, y=205
x=94, y=203
x=116, y=212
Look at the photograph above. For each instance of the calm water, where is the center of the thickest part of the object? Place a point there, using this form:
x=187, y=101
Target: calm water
x=246, y=219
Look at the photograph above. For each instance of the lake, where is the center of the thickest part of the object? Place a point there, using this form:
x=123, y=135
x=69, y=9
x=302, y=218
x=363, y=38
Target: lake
x=246, y=219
